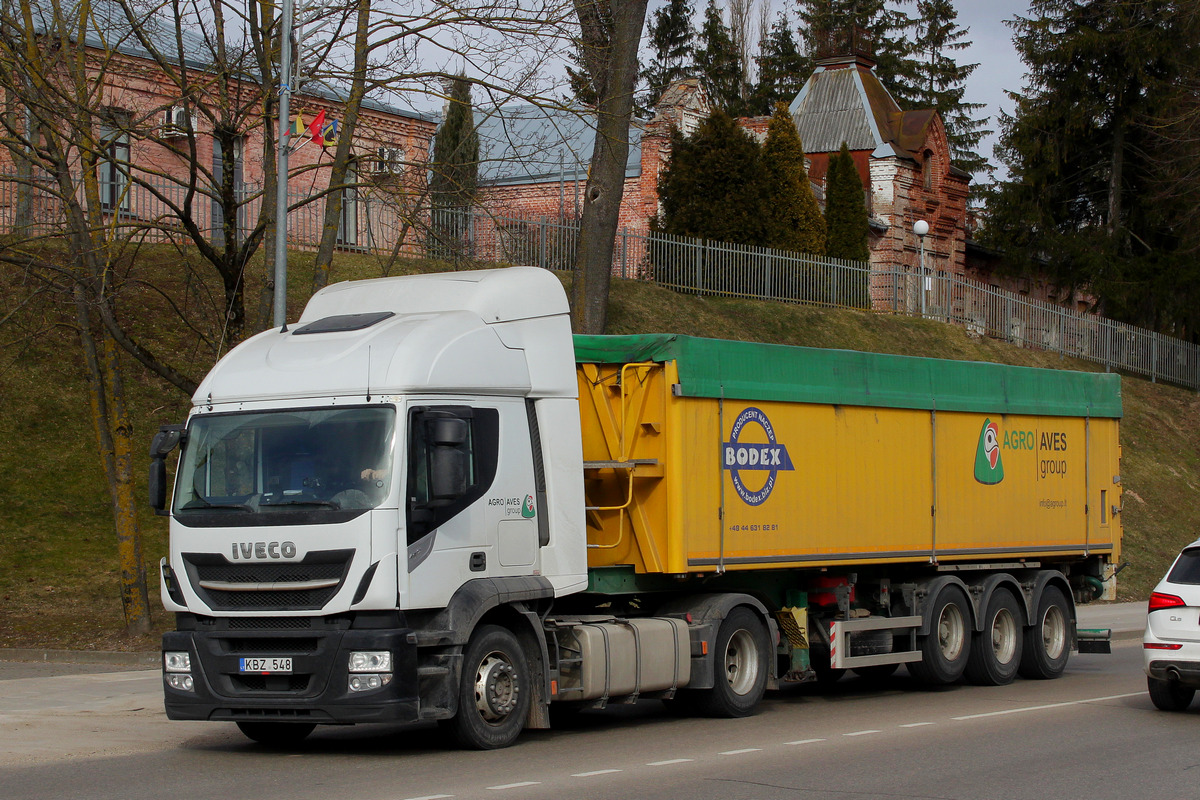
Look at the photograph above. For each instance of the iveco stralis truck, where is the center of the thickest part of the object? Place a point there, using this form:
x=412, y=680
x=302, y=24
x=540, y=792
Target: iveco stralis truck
x=426, y=500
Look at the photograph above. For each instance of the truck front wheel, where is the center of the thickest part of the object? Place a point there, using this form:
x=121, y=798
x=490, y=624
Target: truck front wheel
x=494, y=694
x=742, y=663
x=946, y=648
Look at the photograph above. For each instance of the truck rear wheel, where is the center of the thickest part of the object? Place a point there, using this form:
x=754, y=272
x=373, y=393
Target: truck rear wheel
x=494, y=695
x=1048, y=639
x=276, y=734
x=996, y=651
x=946, y=648
x=742, y=664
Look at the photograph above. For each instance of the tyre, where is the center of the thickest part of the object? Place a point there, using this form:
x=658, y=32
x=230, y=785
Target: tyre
x=1170, y=695
x=947, y=647
x=494, y=695
x=996, y=651
x=742, y=663
x=1047, y=644
x=276, y=734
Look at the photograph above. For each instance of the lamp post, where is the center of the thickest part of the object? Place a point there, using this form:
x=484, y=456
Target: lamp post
x=920, y=228
x=283, y=145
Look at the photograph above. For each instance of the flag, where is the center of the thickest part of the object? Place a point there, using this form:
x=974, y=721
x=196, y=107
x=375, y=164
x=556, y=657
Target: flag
x=330, y=133
x=298, y=126
x=314, y=129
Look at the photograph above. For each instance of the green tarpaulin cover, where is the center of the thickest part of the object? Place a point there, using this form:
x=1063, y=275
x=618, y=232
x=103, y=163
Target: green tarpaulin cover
x=753, y=371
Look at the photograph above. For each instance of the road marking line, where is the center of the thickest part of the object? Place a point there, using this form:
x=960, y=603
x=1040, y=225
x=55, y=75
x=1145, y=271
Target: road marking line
x=806, y=741
x=860, y=733
x=596, y=772
x=1049, y=706
x=431, y=797
x=520, y=785
x=669, y=762
x=739, y=752
x=916, y=724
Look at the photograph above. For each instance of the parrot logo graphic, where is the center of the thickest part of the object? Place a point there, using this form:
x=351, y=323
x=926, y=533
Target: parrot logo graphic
x=527, y=509
x=989, y=470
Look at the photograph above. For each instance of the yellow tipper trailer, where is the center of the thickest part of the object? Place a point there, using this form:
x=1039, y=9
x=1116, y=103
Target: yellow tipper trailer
x=834, y=468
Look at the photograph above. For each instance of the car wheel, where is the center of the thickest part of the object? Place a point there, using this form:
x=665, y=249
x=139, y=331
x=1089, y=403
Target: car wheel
x=996, y=652
x=946, y=648
x=1170, y=695
x=494, y=694
x=1047, y=643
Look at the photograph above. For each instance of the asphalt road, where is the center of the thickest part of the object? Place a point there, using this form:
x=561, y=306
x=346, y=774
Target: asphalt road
x=1092, y=733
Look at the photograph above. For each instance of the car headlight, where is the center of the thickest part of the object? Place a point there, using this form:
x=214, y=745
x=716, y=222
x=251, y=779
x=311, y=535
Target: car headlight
x=371, y=661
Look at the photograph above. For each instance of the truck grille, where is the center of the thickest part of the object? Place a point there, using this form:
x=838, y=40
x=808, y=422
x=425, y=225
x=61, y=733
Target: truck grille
x=268, y=586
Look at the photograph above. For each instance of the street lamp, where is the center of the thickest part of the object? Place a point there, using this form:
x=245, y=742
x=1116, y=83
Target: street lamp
x=920, y=228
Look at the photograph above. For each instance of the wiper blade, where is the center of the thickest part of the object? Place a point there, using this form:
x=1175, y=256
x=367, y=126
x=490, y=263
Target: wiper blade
x=205, y=504
x=324, y=503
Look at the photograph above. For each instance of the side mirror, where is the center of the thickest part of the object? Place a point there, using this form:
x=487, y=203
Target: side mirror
x=167, y=439
x=447, y=473
x=158, y=484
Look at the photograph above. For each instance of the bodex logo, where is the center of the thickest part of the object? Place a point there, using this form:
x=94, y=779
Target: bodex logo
x=741, y=458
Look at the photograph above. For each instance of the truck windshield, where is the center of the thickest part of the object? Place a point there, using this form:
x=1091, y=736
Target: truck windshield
x=293, y=462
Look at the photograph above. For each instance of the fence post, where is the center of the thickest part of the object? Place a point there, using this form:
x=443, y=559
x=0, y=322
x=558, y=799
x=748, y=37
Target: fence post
x=1154, y=358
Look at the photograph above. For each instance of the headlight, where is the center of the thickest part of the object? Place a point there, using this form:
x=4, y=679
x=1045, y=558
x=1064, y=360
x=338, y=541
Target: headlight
x=371, y=661
x=183, y=683
x=177, y=662
x=364, y=683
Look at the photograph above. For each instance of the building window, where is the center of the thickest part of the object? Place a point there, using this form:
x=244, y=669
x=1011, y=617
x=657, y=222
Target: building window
x=927, y=169
x=348, y=222
x=112, y=167
x=239, y=188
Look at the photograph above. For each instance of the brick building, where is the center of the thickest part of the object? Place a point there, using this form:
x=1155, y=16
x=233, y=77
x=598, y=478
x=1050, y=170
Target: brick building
x=152, y=141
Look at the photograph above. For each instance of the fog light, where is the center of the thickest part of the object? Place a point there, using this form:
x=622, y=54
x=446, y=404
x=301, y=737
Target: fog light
x=177, y=662
x=365, y=683
x=371, y=661
x=183, y=683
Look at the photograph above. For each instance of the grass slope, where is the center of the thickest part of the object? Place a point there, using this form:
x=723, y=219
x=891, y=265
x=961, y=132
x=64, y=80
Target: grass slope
x=58, y=567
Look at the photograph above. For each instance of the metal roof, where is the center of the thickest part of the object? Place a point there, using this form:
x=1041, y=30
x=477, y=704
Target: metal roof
x=520, y=144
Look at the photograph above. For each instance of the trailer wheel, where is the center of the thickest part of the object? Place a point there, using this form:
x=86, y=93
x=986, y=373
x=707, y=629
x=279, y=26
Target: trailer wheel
x=946, y=648
x=276, y=734
x=1048, y=639
x=493, y=698
x=742, y=663
x=996, y=651
x=1169, y=695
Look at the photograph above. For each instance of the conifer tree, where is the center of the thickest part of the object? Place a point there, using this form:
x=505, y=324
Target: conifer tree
x=939, y=82
x=455, y=166
x=782, y=68
x=794, y=220
x=845, y=209
x=714, y=186
x=718, y=64
x=825, y=21
x=671, y=40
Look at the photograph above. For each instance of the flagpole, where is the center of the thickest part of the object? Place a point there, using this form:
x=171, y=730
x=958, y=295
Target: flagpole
x=282, y=146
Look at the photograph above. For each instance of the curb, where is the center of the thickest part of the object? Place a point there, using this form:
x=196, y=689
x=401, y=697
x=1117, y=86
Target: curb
x=111, y=658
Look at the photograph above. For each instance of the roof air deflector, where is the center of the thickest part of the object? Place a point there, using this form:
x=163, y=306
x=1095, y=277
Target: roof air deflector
x=345, y=322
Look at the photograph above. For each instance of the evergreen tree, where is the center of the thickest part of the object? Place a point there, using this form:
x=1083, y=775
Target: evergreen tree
x=782, y=68
x=794, y=220
x=714, y=186
x=718, y=64
x=455, y=166
x=827, y=24
x=671, y=39
x=1081, y=203
x=579, y=79
x=939, y=82
x=845, y=209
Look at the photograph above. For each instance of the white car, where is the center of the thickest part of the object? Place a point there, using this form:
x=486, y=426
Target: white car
x=1171, y=645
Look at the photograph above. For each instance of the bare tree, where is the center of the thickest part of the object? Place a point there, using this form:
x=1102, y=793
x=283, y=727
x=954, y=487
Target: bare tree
x=610, y=32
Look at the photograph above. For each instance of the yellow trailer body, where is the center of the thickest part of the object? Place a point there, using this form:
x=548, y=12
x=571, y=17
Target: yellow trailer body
x=706, y=456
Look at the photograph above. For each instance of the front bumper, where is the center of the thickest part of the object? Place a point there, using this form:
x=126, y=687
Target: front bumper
x=317, y=689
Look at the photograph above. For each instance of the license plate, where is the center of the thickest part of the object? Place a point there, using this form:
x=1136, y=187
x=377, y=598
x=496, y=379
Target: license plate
x=271, y=665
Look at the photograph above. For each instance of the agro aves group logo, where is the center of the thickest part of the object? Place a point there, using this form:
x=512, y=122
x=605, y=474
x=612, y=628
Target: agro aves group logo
x=741, y=457
x=989, y=469
x=527, y=509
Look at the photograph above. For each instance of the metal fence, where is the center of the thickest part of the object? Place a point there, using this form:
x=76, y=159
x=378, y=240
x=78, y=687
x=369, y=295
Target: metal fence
x=374, y=217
